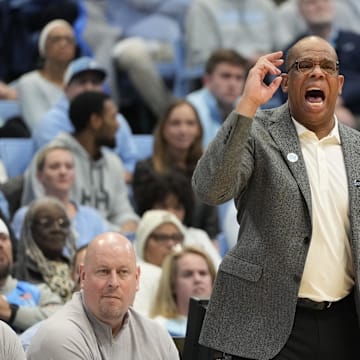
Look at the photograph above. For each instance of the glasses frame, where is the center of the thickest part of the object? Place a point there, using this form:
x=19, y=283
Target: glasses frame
x=295, y=66
x=47, y=223
x=163, y=238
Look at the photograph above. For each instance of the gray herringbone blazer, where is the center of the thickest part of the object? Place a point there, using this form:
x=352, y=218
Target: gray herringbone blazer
x=252, y=307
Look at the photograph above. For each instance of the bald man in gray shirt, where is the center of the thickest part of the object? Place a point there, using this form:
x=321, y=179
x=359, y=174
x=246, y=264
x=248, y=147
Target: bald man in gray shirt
x=99, y=323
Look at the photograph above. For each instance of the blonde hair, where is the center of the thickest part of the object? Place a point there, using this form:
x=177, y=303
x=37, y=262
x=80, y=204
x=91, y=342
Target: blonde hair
x=165, y=300
x=43, y=153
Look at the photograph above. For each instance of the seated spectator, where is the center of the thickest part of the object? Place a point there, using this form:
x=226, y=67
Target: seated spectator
x=99, y=321
x=159, y=231
x=99, y=173
x=29, y=333
x=319, y=16
x=250, y=27
x=22, y=304
x=56, y=173
x=83, y=74
x=347, y=14
x=224, y=79
x=22, y=23
x=10, y=345
x=177, y=147
x=185, y=273
x=173, y=192
x=39, y=90
x=41, y=256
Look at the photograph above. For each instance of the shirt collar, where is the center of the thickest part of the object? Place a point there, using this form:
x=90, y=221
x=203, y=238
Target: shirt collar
x=303, y=131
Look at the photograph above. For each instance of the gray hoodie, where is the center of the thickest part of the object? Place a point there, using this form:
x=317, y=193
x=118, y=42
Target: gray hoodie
x=98, y=183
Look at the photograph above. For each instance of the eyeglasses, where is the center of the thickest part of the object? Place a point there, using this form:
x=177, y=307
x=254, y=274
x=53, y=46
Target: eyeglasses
x=167, y=237
x=306, y=66
x=47, y=223
x=57, y=38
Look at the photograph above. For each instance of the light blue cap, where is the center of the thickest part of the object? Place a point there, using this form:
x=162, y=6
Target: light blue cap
x=80, y=65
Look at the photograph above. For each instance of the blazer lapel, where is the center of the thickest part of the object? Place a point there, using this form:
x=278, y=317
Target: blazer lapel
x=284, y=134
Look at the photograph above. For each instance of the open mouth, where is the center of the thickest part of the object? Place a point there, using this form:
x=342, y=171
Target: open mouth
x=315, y=96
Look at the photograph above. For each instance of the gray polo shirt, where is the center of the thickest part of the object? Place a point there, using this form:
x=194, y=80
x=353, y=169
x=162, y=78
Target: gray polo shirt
x=74, y=333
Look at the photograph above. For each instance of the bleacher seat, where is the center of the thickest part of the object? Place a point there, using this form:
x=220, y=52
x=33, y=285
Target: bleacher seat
x=8, y=109
x=16, y=154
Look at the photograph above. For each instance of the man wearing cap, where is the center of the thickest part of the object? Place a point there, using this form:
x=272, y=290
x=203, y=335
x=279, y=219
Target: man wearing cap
x=21, y=304
x=83, y=74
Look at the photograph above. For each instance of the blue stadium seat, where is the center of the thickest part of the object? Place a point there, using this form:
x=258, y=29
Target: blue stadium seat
x=8, y=109
x=144, y=145
x=16, y=154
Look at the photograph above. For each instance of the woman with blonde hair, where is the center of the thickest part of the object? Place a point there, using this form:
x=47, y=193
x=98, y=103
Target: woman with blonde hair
x=185, y=273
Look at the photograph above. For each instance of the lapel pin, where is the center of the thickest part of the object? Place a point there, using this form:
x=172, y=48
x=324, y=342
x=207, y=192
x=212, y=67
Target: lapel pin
x=292, y=157
x=356, y=183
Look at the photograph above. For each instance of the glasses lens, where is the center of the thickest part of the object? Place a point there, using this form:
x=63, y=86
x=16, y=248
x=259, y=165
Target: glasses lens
x=328, y=66
x=46, y=222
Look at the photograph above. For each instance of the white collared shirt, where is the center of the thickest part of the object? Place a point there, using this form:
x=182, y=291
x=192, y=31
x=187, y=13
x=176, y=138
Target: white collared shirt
x=328, y=273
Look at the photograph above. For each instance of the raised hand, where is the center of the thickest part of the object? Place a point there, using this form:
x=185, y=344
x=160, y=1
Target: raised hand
x=256, y=92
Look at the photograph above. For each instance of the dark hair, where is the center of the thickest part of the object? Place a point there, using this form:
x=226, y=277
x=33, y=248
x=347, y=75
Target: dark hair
x=85, y=105
x=228, y=56
x=159, y=186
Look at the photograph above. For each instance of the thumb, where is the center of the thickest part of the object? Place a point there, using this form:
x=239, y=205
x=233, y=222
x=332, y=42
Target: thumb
x=274, y=85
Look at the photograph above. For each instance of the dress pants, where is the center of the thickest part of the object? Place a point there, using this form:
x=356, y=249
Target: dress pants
x=329, y=334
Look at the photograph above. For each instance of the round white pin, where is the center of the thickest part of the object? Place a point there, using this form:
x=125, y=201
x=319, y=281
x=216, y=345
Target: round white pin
x=292, y=157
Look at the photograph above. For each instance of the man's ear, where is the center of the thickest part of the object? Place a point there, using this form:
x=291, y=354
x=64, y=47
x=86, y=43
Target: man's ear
x=95, y=121
x=284, y=82
x=82, y=275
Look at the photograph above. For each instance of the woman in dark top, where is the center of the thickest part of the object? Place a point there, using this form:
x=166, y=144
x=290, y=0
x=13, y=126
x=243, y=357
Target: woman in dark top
x=177, y=148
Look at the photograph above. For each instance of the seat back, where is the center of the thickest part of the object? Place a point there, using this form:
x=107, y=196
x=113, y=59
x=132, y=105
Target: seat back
x=144, y=145
x=16, y=154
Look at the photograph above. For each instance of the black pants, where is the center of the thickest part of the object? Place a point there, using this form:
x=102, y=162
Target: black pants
x=330, y=334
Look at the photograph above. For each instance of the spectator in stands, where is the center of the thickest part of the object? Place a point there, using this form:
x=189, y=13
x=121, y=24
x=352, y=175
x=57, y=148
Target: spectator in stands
x=251, y=27
x=319, y=16
x=56, y=173
x=29, y=333
x=22, y=304
x=10, y=345
x=159, y=231
x=39, y=90
x=225, y=73
x=84, y=74
x=99, y=320
x=177, y=147
x=185, y=273
x=347, y=13
x=41, y=255
x=79, y=257
x=173, y=192
x=99, y=173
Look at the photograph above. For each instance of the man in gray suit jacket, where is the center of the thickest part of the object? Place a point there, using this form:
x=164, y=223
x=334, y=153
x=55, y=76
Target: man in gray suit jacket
x=289, y=289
